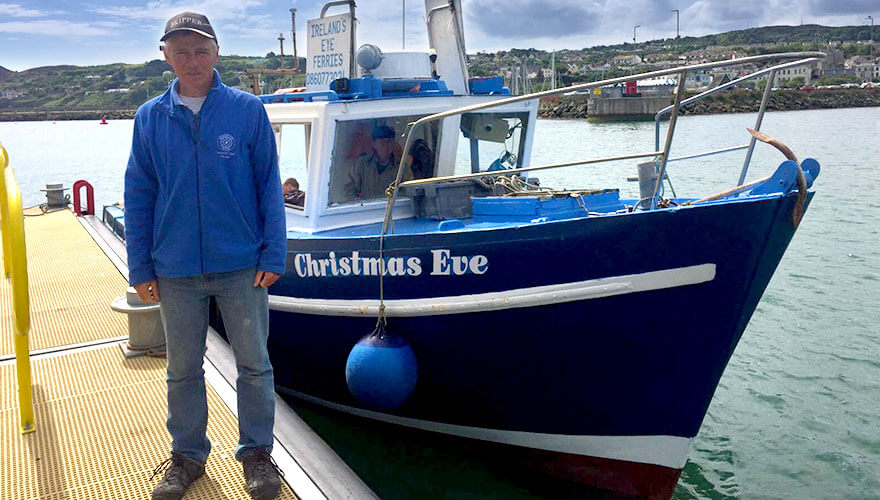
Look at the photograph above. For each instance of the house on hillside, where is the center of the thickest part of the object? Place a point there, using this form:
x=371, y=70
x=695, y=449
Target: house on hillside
x=698, y=79
x=783, y=76
x=694, y=56
x=9, y=94
x=862, y=66
x=834, y=60
x=597, y=68
x=653, y=58
x=627, y=60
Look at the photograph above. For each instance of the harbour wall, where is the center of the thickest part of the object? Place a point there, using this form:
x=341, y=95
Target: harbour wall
x=29, y=115
x=577, y=106
x=737, y=101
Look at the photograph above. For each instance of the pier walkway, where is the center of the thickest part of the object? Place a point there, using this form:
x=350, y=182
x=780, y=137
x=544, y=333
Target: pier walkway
x=99, y=416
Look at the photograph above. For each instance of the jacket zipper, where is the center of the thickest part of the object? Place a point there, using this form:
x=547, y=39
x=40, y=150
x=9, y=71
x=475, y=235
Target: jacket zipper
x=198, y=140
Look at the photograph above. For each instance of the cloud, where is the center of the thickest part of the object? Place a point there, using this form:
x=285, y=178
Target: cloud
x=522, y=19
x=836, y=7
x=16, y=10
x=583, y=23
x=261, y=27
x=163, y=9
x=48, y=27
x=229, y=17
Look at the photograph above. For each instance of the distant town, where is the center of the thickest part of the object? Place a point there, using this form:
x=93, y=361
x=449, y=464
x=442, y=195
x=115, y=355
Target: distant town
x=117, y=89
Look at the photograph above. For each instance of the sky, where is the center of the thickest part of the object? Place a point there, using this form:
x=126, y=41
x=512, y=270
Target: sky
x=37, y=33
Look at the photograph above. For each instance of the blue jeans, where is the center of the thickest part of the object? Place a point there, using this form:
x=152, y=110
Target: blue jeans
x=245, y=313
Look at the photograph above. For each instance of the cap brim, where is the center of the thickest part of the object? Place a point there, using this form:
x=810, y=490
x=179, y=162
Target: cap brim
x=178, y=30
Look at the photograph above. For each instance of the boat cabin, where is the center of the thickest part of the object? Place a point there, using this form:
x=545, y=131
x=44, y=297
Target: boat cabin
x=322, y=137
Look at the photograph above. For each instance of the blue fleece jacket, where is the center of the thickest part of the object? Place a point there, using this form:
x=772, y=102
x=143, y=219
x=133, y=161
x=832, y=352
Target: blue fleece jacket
x=203, y=192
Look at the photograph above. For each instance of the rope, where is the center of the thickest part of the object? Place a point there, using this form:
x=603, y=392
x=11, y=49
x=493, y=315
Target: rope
x=381, y=319
x=44, y=208
x=797, y=212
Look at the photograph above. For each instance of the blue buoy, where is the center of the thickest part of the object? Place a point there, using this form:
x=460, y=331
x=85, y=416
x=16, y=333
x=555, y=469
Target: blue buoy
x=381, y=371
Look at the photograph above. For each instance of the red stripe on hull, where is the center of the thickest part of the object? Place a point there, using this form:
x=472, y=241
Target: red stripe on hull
x=625, y=479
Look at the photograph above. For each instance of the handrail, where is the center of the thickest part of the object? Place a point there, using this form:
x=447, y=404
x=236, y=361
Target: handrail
x=763, y=107
x=7, y=255
x=15, y=267
x=708, y=153
x=410, y=136
x=447, y=178
x=682, y=70
x=351, y=7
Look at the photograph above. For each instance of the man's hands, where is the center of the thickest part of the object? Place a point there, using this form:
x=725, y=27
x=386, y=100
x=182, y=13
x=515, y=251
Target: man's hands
x=148, y=291
x=265, y=279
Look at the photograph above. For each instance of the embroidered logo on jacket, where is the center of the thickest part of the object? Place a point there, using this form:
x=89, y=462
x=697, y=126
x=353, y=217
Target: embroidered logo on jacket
x=226, y=144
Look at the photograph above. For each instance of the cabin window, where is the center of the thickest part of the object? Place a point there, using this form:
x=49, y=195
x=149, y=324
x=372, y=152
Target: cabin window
x=292, y=140
x=491, y=141
x=367, y=154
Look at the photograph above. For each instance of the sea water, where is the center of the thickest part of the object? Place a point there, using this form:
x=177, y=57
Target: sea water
x=797, y=412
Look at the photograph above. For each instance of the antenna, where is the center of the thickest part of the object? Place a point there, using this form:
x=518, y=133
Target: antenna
x=677, y=35
x=293, y=37
x=871, y=18
x=281, y=41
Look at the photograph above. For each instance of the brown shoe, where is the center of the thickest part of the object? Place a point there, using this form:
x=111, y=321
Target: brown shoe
x=262, y=475
x=180, y=472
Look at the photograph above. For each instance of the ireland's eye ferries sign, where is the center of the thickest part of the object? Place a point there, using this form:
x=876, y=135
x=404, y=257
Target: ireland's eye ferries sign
x=329, y=51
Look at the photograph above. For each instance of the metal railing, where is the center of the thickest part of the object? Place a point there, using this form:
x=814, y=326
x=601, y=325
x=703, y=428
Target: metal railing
x=15, y=269
x=771, y=71
x=661, y=155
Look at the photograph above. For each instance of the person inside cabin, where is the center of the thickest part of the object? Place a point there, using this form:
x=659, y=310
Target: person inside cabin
x=205, y=218
x=421, y=160
x=375, y=171
x=292, y=193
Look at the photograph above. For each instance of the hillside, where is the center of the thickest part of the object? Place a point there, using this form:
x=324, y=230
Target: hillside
x=67, y=90
x=117, y=86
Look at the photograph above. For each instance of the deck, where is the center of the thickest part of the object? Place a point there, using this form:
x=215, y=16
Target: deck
x=99, y=416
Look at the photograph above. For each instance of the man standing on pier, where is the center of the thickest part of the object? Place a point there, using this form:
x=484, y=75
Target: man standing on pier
x=205, y=218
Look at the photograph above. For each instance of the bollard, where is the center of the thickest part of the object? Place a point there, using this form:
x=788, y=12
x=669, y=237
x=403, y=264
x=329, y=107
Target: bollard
x=145, y=332
x=55, y=195
x=647, y=182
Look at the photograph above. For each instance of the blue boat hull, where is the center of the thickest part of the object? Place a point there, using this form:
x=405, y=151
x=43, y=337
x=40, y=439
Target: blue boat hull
x=619, y=367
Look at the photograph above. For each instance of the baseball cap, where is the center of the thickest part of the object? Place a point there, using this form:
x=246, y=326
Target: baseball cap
x=189, y=21
x=382, y=132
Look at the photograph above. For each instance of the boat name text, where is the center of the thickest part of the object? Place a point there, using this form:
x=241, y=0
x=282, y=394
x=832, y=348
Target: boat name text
x=443, y=263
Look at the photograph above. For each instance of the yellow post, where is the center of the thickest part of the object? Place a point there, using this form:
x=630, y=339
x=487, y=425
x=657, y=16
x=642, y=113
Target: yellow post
x=4, y=161
x=15, y=260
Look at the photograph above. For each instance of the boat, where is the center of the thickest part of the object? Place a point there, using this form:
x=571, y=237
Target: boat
x=582, y=332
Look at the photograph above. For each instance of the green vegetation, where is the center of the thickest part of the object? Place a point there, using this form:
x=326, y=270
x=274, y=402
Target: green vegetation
x=837, y=80
x=122, y=86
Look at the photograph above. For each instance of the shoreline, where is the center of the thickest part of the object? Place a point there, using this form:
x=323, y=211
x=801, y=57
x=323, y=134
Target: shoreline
x=38, y=115
x=737, y=101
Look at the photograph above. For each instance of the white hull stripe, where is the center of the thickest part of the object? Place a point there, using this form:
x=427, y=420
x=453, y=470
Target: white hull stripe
x=507, y=299
x=667, y=451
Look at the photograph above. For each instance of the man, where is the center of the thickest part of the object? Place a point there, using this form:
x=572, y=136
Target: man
x=292, y=193
x=373, y=173
x=205, y=218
